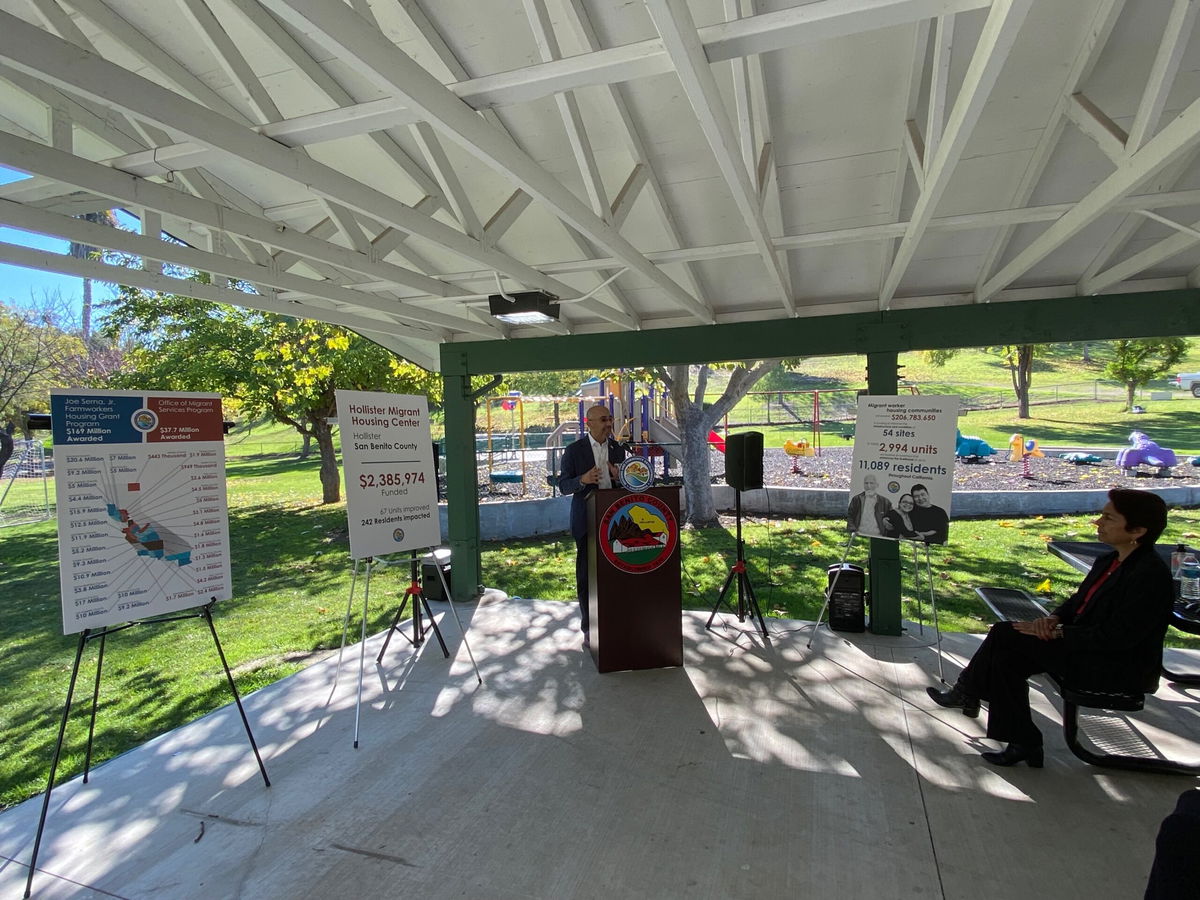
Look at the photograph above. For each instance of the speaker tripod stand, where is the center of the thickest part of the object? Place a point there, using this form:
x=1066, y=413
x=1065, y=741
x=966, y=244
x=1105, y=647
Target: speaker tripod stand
x=747, y=603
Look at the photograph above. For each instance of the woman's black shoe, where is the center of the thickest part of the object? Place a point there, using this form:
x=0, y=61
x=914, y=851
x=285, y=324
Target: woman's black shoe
x=955, y=698
x=1015, y=753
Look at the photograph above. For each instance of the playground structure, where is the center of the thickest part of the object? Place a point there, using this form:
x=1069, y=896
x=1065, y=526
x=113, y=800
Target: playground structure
x=640, y=419
x=970, y=448
x=797, y=449
x=24, y=485
x=1022, y=449
x=506, y=448
x=1145, y=452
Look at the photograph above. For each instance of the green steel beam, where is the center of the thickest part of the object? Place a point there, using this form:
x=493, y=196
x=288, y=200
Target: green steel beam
x=462, y=493
x=1147, y=314
x=879, y=336
x=884, y=566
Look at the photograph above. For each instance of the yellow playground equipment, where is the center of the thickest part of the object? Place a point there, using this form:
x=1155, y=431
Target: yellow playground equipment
x=514, y=438
x=1020, y=448
x=796, y=449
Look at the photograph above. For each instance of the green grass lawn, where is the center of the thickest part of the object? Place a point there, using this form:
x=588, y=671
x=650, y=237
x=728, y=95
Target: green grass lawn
x=291, y=577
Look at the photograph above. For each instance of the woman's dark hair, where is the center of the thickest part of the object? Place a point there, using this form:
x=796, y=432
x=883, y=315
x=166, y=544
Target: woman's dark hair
x=1141, y=509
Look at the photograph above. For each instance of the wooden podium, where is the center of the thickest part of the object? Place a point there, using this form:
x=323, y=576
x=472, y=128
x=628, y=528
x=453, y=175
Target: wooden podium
x=634, y=598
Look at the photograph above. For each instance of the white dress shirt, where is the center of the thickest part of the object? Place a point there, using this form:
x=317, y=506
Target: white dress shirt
x=600, y=455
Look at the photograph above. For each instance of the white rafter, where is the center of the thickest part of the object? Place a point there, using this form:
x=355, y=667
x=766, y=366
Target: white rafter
x=376, y=58
x=912, y=96
x=425, y=27
x=1162, y=74
x=568, y=109
x=1084, y=61
x=942, y=38
x=1160, y=252
x=1174, y=141
x=999, y=32
x=503, y=218
x=1091, y=120
x=628, y=194
x=32, y=50
x=674, y=22
x=586, y=33
x=81, y=231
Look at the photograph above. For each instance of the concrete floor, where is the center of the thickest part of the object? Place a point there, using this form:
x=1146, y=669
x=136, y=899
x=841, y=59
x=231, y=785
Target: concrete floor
x=751, y=772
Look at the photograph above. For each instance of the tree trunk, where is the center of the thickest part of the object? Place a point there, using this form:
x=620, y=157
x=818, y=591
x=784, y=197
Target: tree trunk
x=1130, y=392
x=306, y=447
x=331, y=483
x=86, y=315
x=697, y=469
x=1021, y=369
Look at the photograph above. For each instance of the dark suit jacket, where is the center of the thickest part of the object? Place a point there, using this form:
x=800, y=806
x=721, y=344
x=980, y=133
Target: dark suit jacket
x=1116, y=642
x=577, y=459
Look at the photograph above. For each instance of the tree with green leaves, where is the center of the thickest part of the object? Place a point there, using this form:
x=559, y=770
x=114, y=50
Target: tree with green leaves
x=286, y=368
x=1017, y=357
x=1135, y=363
x=37, y=352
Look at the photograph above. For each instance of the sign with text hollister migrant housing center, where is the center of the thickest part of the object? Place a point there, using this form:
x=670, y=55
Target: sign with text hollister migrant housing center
x=387, y=462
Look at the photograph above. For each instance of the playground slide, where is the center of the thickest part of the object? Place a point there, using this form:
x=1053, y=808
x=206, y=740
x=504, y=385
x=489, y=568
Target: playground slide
x=662, y=431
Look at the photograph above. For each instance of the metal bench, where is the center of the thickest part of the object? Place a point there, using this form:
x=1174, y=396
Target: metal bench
x=1011, y=604
x=1014, y=605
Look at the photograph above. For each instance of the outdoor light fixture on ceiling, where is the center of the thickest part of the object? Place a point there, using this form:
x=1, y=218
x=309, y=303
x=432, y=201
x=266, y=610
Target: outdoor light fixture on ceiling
x=524, y=307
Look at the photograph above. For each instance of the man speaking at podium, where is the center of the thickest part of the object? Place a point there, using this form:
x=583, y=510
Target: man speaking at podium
x=589, y=463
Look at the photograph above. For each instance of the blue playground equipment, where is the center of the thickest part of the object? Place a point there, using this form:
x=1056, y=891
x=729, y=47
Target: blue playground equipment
x=971, y=449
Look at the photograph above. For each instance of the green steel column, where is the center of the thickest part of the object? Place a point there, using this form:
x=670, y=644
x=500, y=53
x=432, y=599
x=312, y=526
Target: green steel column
x=883, y=378
x=462, y=495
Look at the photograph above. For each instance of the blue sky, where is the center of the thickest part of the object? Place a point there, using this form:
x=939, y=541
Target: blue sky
x=18, y=285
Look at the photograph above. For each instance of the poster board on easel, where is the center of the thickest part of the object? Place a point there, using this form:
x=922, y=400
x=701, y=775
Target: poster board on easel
x=391, y=504
x=143, y=527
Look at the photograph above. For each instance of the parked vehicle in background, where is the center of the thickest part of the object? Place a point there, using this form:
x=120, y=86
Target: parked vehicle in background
x=1188, y=381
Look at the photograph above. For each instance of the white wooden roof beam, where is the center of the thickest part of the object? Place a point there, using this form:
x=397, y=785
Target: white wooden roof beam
x=31, y=49
x=812, y=23
x=447, y=178
x=126, y=190
x=1160, y=252
x=230, y=58
x=1091, y=120
x=568, y=109
x=627, y=196
x=999, y=32
x=158, y=59
x=675, y=26
x=586, y=33
x=272, y=30
x=1162, y=72
x=942, y=37
x=624, y=314
x=81, y=231
x=1082, y=64
x=504, y=218
x=743, y=107
x=912, y=96
x=1172, y=142
x=43, y=260
x=914, y=149
x=375, y=57
x=151, y=225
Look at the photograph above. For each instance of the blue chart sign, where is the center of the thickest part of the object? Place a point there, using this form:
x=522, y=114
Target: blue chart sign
x=142, y=520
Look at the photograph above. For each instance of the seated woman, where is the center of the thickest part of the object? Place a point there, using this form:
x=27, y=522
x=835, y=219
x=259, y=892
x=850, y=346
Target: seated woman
x=897, y=522
x=1107, y=636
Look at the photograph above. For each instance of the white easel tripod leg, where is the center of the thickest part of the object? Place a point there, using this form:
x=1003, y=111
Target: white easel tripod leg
x=829, y=590
x=457, y=621
x=362, y=651
x=937, y=630
x=346, y=622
